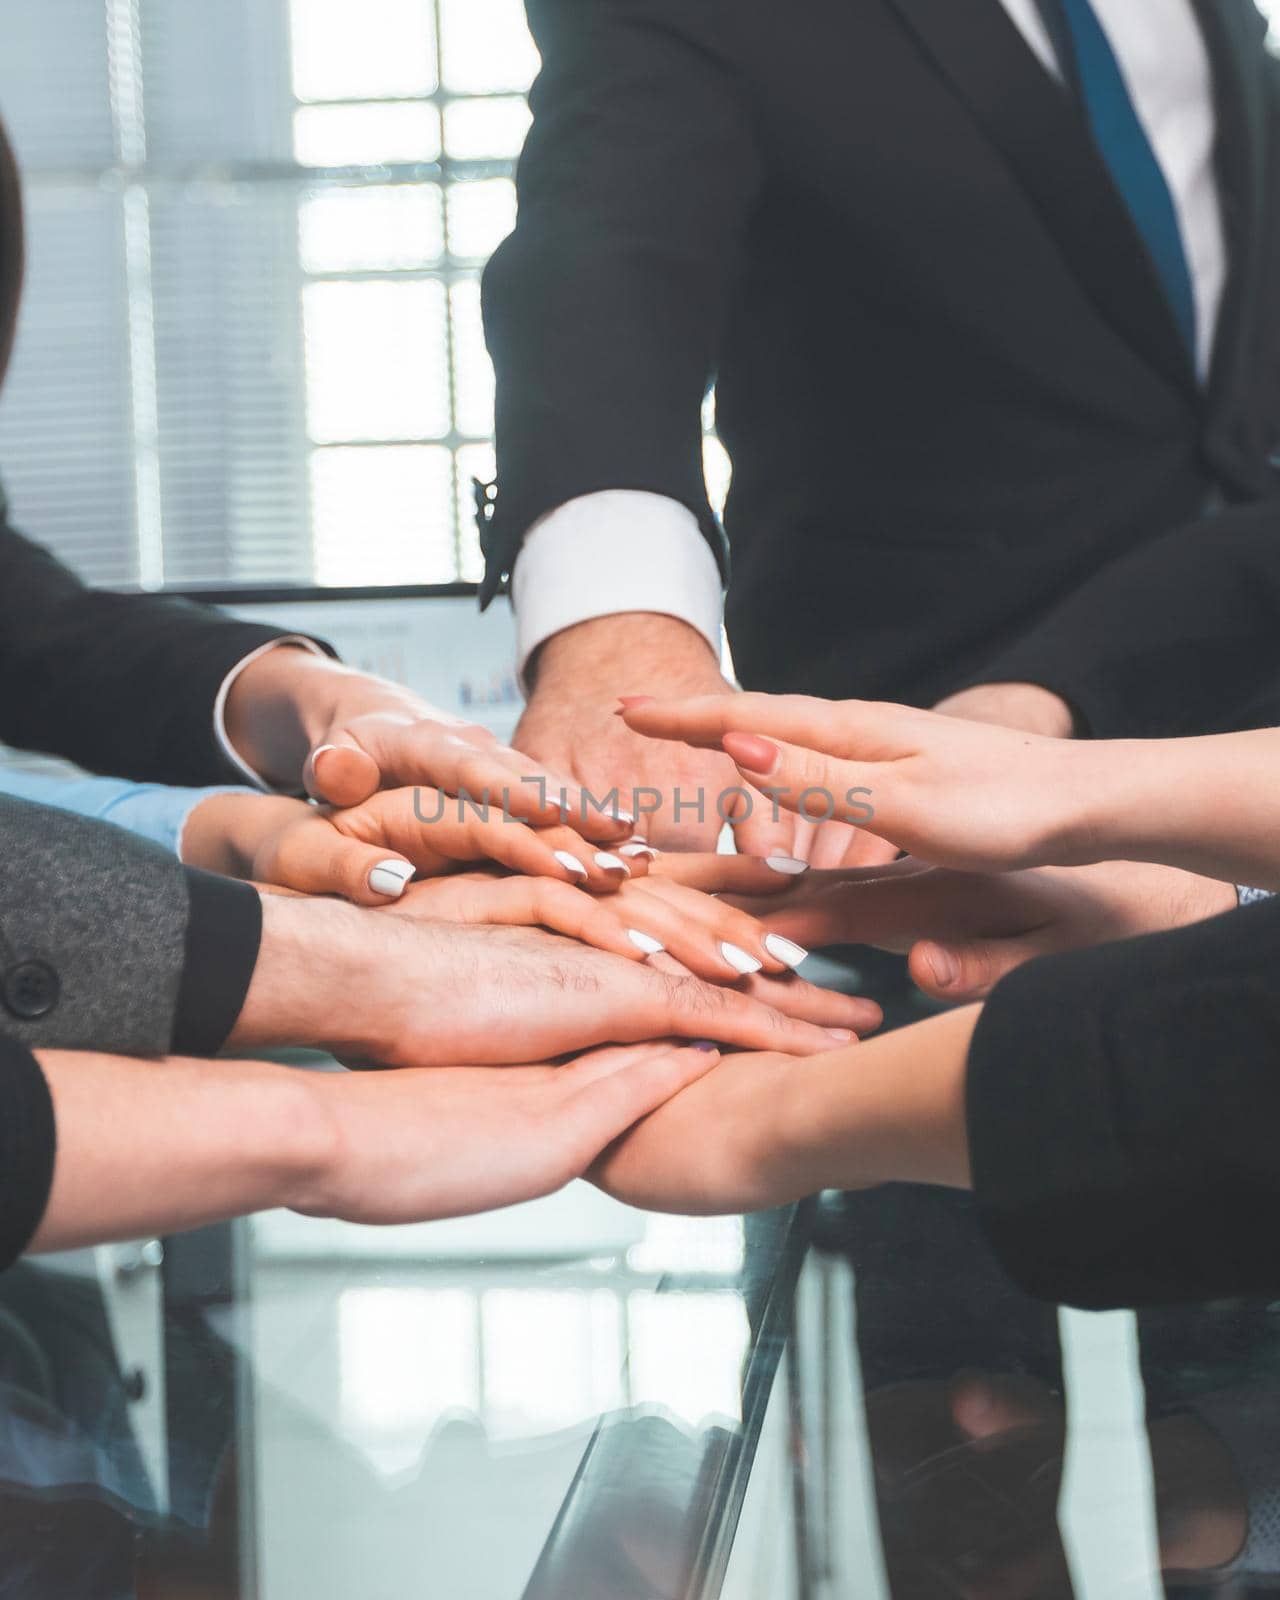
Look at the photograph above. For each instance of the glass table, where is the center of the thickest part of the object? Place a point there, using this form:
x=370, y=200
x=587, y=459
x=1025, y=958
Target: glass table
x=576, y=1401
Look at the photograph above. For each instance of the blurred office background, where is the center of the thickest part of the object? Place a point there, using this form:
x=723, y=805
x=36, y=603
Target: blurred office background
x=251, y=350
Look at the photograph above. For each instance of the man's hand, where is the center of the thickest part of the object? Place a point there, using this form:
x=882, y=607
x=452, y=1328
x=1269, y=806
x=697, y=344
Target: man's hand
x=685, y=795
x=304, y=721
x=162, y=1146
x=379, y=987
x=964, y=931
x=570, y=725
x=1013, y=705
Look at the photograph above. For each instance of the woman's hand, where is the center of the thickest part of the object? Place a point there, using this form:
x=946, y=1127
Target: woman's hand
x=368, y=853
x=964, y=931
x=765, y=1130
x=302, y=720
x=956, y=794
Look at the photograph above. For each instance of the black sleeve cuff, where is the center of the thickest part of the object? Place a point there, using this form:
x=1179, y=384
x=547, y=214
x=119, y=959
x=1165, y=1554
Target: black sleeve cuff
x=1123, y=1103
x=27, y=1147
x=224, y=932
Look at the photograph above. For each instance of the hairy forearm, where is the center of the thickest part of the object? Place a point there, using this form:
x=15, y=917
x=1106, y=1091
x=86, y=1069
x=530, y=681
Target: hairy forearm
x=1207, y=805
x=623, y=655
x=322, y=980
x=889, y=1110
x=158, y=1146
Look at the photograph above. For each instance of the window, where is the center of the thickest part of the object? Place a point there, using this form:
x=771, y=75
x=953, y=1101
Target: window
x=251, y=350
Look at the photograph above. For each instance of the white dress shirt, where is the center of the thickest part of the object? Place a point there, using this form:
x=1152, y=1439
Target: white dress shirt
x=628, y=551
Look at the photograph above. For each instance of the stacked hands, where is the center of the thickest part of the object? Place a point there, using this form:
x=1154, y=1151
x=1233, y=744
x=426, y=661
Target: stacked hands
x=504, y=920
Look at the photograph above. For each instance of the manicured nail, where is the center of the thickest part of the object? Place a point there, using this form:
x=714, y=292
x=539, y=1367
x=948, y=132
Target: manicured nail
x=739, y=960
x=840, y=1035
x=751, y=752
x=944, y=966
x=645, y=942
x=608, y=862
x=571, y=864
x=390, y=878
x=625, y=816
x=637, y=850
x=787, y=864
x=785, y=950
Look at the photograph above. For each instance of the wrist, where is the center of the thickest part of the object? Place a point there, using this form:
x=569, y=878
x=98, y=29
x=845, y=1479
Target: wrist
x=325, y=978
x=224, y=833
x=623, y=654
x=892, y=1110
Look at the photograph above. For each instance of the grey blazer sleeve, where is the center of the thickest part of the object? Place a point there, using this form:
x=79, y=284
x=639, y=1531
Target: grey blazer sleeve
x=109, y=943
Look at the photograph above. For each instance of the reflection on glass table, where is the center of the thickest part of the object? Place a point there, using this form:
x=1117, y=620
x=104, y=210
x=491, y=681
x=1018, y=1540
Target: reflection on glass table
x=289, y=1407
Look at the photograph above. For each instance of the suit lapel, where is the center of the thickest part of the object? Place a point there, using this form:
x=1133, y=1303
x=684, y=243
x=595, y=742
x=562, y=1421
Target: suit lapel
x=1045, y=140
x=1234, y=32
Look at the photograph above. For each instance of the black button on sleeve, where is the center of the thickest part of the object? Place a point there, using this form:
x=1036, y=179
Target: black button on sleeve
x=30, y=989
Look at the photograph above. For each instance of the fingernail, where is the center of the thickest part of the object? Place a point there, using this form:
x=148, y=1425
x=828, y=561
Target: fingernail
x=390, y=877
x=787, y=864
x=749, y=750
x=944, y=966
x=840, y=1035
x=625, y=816
x=637, y=850
x=626, y=701
x=319, y=751
x=739, y=960
x=571, y=864
x=785, y=950
x=705, y=1045
x=610, y=863
x=645, y=942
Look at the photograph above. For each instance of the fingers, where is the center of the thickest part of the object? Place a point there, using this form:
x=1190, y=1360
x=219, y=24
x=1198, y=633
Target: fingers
x=840, y=727
x=747, y=875
x=435, y=830
x=807, y=1001
x=698, y=1010
x=467, y=761
x=312, y=857
x=708, y=936
x=761, y=828
x=340, y=772
x=626, y=1090
x=969, y=971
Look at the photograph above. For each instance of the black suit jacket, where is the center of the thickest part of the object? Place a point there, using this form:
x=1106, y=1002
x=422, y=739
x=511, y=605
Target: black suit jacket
x=945, y=370
x=1124, y=1117
x=119, y=683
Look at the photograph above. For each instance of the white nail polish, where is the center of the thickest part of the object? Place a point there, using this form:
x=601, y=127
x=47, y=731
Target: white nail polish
x=624, y=816
x=611, y=863
x=321, y=748
x=637, y=850
x=645, y=942
x=571, y=864
x=739, y=960
x=390, y=878
x=785, y=949
x=787, y=864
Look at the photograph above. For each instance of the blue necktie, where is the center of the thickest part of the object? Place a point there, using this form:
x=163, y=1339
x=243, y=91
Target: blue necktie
x=1123, y=144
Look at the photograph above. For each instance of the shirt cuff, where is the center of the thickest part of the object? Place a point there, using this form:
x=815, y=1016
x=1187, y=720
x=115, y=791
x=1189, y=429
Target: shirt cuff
x=606, y=553
x=220, y=704
x=224, y=933
x=27, y=1143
